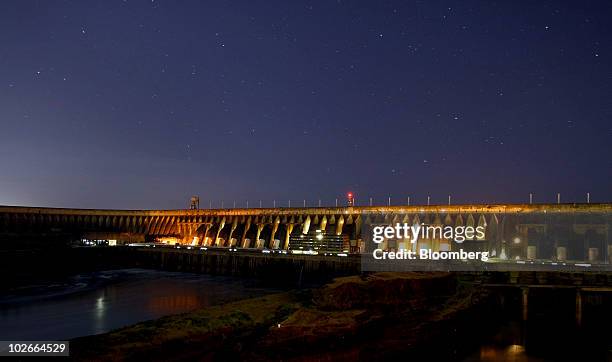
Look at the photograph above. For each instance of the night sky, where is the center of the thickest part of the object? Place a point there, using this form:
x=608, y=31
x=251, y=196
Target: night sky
x=140, y=104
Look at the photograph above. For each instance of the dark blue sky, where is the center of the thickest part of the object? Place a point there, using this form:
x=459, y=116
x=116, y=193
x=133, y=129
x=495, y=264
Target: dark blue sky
x=140, y=104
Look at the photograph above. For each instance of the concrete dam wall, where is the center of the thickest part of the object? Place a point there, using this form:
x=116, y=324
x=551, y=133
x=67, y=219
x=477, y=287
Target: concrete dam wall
x=514, y=232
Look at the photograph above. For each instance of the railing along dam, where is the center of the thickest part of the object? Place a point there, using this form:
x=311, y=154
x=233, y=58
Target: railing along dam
x=552, y=231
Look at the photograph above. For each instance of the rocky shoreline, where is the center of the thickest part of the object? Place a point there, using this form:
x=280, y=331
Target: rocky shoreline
x=370, y=317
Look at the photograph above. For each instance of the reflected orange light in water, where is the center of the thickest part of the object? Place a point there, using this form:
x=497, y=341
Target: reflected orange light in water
x=516, y=349
x=170, y=304
x=512, y=353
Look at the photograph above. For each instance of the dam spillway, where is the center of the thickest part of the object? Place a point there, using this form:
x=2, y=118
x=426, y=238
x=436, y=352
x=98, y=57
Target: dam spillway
x=518, y=231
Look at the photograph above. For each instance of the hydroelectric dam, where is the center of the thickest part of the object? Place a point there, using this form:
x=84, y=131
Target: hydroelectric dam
x=295, y=245
x=556, y=232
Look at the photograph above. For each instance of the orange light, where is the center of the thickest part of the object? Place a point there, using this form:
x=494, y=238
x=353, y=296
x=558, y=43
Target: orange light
x=350, y=194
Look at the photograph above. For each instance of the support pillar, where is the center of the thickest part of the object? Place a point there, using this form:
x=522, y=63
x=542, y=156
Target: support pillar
x=206, y=243
x=289, y=230
x=578, y=308
x=323, y=224
x=306, y=225
x=244, y=233
x=234, y=225
x=339, y=225
x=561, y=253
x=274, y=230
x=259, y=229
x=525, y=304
x=221, y=225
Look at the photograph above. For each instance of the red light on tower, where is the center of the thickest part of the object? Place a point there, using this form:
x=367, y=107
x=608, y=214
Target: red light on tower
x=351, y=199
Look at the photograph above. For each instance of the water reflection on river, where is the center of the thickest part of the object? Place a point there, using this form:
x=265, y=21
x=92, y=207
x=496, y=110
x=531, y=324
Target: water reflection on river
x=508, y=344
x=511, y=353
x=96, y=303
x=540, y=340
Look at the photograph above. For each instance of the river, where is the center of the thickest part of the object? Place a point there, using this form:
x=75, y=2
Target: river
x=94, y=303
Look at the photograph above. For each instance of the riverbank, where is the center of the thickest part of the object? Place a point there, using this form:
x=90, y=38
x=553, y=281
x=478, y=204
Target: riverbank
x=380, y=316
x=98, y=302
x=375, y=316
